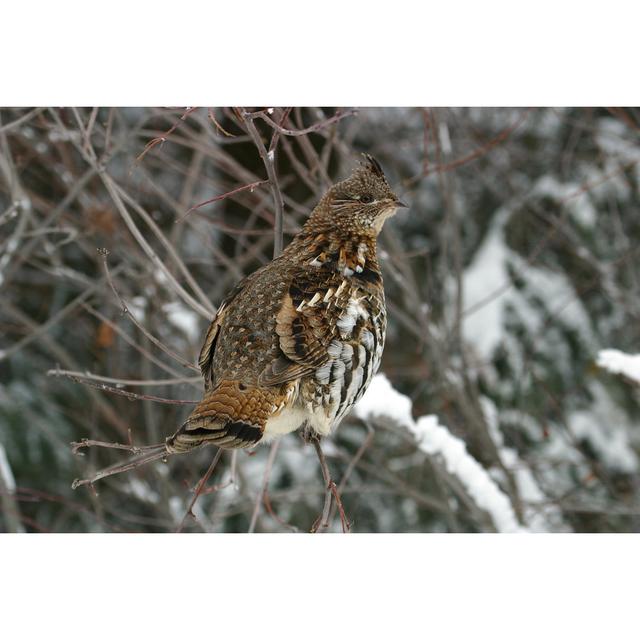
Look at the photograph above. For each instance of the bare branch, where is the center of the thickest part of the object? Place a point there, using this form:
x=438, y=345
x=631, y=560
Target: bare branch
x=319, y=126
x=199, y=489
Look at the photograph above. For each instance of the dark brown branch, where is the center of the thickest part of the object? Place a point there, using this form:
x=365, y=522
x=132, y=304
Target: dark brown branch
x=119, y=392
x=312, y=129
x=250, y=187
x=474, y=155
x=161, y=139
x=149, y=454
x=268, y=158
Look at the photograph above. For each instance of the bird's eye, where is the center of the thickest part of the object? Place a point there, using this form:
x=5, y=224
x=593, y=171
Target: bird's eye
x=367, y=198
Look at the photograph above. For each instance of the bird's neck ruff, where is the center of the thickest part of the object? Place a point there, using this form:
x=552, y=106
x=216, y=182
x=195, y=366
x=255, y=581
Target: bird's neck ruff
x=334, y=251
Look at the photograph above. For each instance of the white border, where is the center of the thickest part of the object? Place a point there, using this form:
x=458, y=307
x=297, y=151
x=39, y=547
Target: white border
x=330, y=53
x=334, y=52
x=324, y=586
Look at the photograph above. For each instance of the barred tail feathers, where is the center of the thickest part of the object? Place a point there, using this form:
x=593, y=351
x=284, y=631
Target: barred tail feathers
x=230, y=416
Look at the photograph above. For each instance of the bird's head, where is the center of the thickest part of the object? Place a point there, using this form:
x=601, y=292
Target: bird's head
x=361, y=203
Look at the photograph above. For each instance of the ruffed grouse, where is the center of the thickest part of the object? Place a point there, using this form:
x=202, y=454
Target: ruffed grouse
x=298, y=341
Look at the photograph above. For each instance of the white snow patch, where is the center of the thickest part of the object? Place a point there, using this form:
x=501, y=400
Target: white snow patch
x=540, y=515
x=183, y=318
x=619, y=362
x=445, y=138
x=436, y=439
x=160, y=277
x=572, y=195
x=607, y=430
x=483, y=322
x=176, y=508
x=142, y=491
x=614, y=139
x=382, y=400
x=486, y=274
x=5, y=471
x=137, y=307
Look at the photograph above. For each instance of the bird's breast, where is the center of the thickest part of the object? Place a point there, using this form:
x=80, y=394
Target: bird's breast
x=353, y=358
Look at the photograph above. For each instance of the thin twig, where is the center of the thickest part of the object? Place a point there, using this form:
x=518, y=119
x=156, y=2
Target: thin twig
x=43, y=328
x=312, y=129
x=115, y=193
x=96, y=384
x=86, y=443
x=199, y=488
x=104, y=253
x=150, y=454
x=161, y=139
x=474, y=155
x=274, y=515
x=265, y=483
x=353, y=464
x=123, y=382
x=5, y=128
x=268, y=158
x=245, y=187
x=218, y=126
x=203, y=307
x=130, y=341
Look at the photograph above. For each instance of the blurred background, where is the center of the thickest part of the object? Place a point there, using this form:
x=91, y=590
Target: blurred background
x=122, y=229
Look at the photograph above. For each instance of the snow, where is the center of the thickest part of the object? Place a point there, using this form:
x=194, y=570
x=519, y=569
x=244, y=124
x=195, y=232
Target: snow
x=434, y=439
x=607, y=430
x=613, y=138
x=483, y=325
x=183, y=318
x=382, y=401
x=5, y=472
x=445, y=138
x=137, y=306
x=619, y=362
x=142, y=491
x=486, y=274
x=572, y=195
x=540, y=514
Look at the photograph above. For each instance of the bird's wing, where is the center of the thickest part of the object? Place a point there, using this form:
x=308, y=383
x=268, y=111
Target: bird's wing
x=205, y=360
x=313, y=314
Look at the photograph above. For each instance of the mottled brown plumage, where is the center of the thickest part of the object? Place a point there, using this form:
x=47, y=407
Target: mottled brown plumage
x=298, y=341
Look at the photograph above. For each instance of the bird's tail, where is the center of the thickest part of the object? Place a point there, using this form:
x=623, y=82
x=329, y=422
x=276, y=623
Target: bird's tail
x=230, y=416
x=146, y=455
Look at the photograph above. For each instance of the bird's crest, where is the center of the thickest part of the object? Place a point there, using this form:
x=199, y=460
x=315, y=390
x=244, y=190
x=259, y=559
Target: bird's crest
x=372, y=164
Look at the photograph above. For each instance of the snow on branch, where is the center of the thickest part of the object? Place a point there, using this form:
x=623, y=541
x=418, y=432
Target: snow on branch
x=382, y=400
x=8, y=504
x=619, y=362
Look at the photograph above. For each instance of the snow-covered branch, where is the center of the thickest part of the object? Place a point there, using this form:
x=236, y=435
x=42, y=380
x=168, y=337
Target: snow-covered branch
x=619, y=362
x=383, y=401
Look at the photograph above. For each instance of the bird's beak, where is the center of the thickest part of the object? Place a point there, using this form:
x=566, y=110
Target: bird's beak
x=401, y=204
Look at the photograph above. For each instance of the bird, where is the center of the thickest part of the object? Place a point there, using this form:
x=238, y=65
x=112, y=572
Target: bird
x=296, y=343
